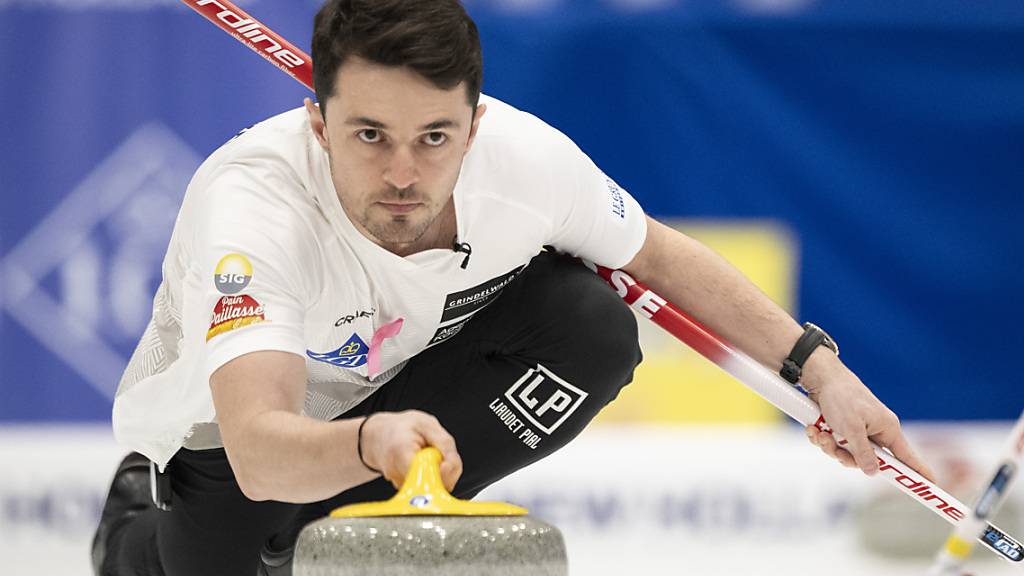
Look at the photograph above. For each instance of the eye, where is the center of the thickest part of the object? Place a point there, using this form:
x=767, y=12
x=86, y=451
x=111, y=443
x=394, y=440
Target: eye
x=435, y=139
x=369, y=135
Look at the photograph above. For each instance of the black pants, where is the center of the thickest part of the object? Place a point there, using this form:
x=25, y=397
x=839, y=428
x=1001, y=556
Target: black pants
x=520, y=380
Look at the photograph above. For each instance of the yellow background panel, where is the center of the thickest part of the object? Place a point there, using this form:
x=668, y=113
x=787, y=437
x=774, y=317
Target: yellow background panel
x=674, y=383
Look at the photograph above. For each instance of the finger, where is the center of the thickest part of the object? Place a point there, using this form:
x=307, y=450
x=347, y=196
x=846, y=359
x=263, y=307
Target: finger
x=822, y=441
x=451, y=463
x=845, y=458
x=900, y=448
x=390, y=476
x=450, y=473
x=832, y=448
x=397, y=474
x=812, y=434
x=860, y=448
x=451, y=470
x=439, y=438
x=827, y=444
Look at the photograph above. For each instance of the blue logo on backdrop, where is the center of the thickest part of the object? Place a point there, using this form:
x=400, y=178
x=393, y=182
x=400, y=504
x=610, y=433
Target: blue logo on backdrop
x=352, y=354
x=81, y=282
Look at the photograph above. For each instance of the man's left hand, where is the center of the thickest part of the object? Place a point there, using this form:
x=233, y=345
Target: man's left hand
x=855, y=415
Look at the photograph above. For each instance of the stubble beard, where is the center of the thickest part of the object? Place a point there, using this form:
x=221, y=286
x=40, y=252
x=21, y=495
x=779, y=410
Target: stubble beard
x=400, y=229
x=396, y=228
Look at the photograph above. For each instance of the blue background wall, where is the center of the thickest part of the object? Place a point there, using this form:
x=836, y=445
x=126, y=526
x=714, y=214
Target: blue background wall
x=890, y=139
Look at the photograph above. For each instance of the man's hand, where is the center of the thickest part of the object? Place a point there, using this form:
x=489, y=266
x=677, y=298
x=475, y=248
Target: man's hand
x=856, y=415
x=709, y=288
x=391, y=440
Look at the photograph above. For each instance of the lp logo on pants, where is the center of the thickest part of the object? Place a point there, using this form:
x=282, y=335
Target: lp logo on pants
x=544, y=399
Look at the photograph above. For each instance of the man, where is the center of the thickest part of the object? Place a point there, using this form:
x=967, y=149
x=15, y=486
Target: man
x=350, y=282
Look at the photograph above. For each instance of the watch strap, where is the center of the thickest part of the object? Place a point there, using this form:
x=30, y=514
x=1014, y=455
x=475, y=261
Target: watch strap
x=793, y=365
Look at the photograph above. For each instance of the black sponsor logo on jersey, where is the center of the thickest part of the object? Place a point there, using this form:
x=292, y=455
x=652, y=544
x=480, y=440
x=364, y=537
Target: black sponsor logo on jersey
x=445, y=332
x=350, y=318
x=469, y=301
x=460, y=306
x=544, y=399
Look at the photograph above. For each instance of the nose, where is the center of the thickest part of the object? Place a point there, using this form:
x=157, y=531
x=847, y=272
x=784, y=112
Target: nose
x=401, y=171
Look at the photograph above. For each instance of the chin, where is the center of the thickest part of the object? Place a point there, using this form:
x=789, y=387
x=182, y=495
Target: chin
x=398, y=231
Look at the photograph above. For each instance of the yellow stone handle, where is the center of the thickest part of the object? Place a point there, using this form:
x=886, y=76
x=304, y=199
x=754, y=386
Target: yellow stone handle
x=423, y=494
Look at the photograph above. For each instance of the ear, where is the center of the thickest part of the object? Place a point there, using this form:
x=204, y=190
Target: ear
x=316, y=122
x=480, y=111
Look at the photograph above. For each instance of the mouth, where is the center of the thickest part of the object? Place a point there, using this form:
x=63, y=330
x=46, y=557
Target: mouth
x=400, y=207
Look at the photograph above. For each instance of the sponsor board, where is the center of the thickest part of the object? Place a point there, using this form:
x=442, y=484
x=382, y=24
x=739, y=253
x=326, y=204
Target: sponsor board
x=628, y=499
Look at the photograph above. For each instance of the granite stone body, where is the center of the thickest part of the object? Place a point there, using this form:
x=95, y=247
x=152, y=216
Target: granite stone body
x=430, y=546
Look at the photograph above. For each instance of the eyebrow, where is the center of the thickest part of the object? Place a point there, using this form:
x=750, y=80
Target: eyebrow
x=436, y=125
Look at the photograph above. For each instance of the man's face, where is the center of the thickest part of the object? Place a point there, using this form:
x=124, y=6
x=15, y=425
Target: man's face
x=396, y=144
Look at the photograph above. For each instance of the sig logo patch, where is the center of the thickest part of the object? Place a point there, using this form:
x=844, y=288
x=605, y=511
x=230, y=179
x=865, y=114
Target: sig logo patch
x=352, y=354
x=232, y=274
x=545, y=399
x=232, y=312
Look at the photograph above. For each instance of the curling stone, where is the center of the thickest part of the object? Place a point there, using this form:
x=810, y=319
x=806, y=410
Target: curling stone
x=425, y=531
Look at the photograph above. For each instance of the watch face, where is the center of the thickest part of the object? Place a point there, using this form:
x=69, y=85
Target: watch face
x=831, y=344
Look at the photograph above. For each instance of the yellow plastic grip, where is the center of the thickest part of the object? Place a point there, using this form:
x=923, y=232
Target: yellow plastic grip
x=423, y=494
x=958, y=547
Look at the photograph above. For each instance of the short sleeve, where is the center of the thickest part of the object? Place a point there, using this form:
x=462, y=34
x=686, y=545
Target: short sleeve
x=593, y=217
x=253, y=253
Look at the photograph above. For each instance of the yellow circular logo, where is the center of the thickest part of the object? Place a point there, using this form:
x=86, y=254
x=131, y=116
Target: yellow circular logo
x=232, y=274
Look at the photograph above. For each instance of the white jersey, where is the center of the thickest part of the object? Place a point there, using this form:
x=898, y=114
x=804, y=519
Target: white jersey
x=263, y=257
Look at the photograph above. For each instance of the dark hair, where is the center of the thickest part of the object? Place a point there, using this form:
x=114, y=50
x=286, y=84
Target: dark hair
x=435, y=38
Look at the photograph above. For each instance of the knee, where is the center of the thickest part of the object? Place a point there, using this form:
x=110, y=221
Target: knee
x=600, y=328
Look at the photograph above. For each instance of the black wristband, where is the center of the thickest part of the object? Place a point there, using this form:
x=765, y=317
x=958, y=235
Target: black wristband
x=813, y=336
x=359, y=446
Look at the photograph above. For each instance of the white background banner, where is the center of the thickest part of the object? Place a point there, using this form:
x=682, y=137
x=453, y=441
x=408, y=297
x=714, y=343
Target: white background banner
x=643, y=500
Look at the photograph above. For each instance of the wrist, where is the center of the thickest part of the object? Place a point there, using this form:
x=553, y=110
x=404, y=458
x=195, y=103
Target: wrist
x=821, y=367
x=360, y=439
x=807, y=345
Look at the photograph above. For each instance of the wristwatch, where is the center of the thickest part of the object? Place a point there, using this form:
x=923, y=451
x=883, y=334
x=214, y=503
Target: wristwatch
x=813, y=336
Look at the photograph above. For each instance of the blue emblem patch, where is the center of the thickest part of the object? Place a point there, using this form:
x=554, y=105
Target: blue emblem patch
x=420, y=501
x=352, y=354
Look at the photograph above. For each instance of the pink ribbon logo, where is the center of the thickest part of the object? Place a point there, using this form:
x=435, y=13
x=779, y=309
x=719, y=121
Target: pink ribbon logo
x=389, y=330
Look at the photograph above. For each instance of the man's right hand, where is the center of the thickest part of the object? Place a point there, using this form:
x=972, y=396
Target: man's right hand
x=391, y=439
